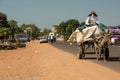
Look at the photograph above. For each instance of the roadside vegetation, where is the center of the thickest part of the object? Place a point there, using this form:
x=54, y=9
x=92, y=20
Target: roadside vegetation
x=65, y=28
x=8, y=28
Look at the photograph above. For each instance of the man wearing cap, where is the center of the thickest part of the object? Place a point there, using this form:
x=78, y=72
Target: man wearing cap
x=91, y=21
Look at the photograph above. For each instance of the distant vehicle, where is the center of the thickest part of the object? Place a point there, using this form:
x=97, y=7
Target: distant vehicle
x=21, y=37
x=43, y=40
x=115, y=35
x=114, y=30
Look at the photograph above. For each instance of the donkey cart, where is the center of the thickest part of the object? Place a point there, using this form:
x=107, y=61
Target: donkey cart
x=99, y=51
x=91, y=36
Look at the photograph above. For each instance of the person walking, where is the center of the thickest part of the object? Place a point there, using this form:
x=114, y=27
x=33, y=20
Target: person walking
x=51, y=38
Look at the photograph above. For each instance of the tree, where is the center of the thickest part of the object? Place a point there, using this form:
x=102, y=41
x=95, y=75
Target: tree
x=66, y=28
x=35, y=31
x=31, y=29
x=69, y=30
x=46, y=31
x=3, y=20
x=14, y=27
x=4, y=27
x=72, y=24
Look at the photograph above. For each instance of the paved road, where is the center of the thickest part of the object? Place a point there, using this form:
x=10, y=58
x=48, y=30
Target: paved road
x=112, y=63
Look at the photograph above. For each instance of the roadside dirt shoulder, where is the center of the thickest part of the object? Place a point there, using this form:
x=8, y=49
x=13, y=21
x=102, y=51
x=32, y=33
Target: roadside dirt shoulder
x=45, y=62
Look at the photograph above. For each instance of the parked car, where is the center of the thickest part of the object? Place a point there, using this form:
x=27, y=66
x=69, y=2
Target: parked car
x=22, y=37
x=43, y=40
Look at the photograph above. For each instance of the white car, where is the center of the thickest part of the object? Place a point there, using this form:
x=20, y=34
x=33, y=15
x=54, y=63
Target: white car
x=43, y=40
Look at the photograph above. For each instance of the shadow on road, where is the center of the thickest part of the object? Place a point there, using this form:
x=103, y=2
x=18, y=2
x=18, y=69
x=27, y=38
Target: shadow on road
x=89, y=54
x=110, y=59
x=114, y=59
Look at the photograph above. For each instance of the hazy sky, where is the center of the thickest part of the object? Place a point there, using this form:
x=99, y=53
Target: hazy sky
x=45, y=13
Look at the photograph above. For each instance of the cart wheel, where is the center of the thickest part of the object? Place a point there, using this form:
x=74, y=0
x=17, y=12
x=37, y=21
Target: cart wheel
x=106, y=53
x=80, y=53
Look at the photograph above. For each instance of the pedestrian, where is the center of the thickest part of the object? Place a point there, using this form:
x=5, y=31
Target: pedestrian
x=51, y=38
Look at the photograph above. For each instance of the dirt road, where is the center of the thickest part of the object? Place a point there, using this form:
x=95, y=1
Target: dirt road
x=45, y=62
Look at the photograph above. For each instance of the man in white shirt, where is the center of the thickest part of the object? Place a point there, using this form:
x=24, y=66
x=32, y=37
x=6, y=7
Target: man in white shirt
x=91, y=21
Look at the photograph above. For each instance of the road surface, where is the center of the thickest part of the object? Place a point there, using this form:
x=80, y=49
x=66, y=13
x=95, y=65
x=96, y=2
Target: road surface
x=112, y=63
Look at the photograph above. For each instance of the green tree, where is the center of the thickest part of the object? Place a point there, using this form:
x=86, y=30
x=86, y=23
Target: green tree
x=14, y=27
x=3, y=20
x=46, y=31
x=69, y=30
x=4, y=27
x=62, y=28
x=72, y=24
x=31, y=29
x=66, y=28
x=35, y=31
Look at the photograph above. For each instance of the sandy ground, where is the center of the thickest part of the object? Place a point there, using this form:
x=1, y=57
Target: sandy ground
x=45, y=62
